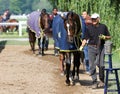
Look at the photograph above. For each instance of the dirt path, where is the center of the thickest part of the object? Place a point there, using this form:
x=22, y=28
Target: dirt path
x=21, y=72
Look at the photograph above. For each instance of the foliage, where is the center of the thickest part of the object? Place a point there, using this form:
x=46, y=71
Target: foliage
x=13, y=34
x=108, y=10
x=24, y=6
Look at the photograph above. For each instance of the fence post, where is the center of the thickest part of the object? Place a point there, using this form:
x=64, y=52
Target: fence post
x=20, y=28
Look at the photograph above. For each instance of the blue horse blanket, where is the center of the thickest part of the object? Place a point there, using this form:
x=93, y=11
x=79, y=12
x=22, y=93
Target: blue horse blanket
x=33, y=22
x=59, y=33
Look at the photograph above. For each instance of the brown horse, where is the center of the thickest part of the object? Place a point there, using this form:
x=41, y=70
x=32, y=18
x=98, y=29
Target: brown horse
x=73, y=28
x=37, y=25
x=1, y=27
x=11, y=28
x=67, y=36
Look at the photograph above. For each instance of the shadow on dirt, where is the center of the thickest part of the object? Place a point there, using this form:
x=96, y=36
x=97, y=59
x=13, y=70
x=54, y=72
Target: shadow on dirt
x=2, y=45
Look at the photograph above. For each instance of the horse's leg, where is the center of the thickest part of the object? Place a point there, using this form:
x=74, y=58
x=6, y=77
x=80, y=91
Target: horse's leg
x=16, y=28
x=32, y=40
x=12, y=28
x=68, y=65
x=76, y=64
x=82, y=59
x=73, y=71
x=41, y=43
x=4, y=29
x=62, y=58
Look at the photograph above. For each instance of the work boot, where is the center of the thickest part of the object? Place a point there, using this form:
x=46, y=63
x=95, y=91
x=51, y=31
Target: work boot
x=95, y=84
x=101, y=84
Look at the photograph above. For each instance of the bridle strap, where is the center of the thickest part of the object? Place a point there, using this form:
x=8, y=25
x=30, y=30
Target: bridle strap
x=41, y=30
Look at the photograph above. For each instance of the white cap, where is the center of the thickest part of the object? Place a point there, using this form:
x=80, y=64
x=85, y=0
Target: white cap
x=95, y=15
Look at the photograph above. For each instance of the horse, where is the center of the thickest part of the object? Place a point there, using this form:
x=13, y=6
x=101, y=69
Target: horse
x=37, y=25
x=10, y=28
x=74, y=32
x=68, y=41
x=1, y=27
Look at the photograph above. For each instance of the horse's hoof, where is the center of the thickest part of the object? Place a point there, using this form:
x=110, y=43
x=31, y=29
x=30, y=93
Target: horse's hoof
x=71, y=81
x=67, y=82
x=41, y=54
x=73, y=78
x=77, y=77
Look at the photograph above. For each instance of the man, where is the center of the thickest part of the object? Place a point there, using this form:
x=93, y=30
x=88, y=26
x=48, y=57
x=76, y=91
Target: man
x=88, y=21
x=56, y=28
x=54, y=14
x=96, y=33
x=6, y=15
x=87, y=18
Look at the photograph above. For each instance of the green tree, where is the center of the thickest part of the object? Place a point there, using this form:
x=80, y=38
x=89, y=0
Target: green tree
x=108, y=10
x=14, y=7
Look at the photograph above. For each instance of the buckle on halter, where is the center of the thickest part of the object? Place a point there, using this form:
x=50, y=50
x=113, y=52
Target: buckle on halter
x=70, y=39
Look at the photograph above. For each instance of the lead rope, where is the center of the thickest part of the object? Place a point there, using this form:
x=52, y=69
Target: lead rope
x=41, y=30
x=41, y=33
x=77, y=35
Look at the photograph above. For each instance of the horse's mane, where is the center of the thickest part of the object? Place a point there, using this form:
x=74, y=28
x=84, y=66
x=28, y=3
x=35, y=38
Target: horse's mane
x=72, y=15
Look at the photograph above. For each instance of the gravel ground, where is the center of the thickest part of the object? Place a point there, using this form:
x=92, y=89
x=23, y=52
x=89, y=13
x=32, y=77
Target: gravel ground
x=21, y=72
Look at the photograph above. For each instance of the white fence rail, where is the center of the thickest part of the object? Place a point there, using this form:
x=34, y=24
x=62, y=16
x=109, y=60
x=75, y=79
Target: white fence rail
x=21, y=25
x=18, y=17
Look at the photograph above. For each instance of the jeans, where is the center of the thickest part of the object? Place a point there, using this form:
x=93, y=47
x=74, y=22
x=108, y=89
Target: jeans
x=46, y=42
x=86, y=58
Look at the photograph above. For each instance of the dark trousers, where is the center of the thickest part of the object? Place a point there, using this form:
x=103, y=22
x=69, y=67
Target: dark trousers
x=96, y=58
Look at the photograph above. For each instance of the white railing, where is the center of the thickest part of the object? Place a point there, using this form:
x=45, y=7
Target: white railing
x=21, y=25
x=18, y=17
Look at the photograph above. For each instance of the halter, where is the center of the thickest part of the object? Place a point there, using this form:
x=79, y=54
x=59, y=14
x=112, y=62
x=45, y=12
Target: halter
x=41, y=30
x=76, y=35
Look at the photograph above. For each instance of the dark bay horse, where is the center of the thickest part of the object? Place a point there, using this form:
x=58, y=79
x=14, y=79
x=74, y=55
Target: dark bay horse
x=37, y=25
x=68, y=37
x=73, y=27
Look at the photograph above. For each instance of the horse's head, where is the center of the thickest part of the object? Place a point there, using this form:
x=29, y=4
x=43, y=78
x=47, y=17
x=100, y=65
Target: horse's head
x=72, y=25
x=44, y=21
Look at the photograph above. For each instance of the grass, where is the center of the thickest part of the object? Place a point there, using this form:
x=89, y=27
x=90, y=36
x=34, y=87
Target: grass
x=13, y=42
x=13, y=35
x=10, y=35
